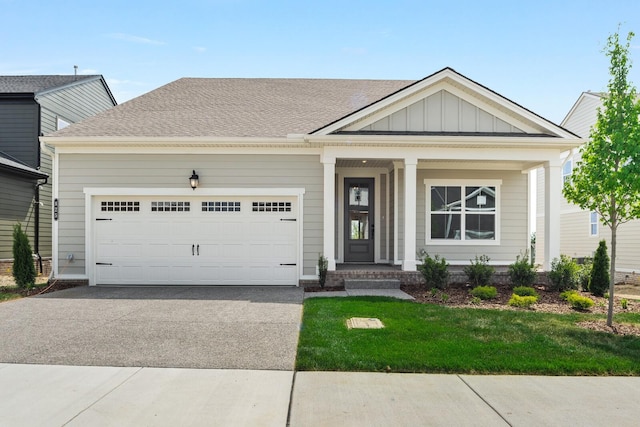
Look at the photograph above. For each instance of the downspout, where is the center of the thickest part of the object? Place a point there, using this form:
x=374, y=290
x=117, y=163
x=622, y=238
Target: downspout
x=36, y=231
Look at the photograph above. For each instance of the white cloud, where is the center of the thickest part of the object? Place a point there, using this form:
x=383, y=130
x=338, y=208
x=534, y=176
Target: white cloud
x=135, y=39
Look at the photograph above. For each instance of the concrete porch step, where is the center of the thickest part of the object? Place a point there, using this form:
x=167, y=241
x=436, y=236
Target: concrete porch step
x=371, y=284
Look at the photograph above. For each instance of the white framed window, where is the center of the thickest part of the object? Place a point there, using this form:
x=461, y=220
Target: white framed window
x=463, y=212
x=567, y=168
x=593, y=223
x=61, y=123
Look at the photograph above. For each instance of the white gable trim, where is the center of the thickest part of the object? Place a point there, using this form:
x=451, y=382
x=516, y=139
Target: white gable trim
x=583, y=95
x=434, y=83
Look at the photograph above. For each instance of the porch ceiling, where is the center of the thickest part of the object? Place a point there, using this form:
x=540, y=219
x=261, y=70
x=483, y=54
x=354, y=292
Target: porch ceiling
x=364, y=163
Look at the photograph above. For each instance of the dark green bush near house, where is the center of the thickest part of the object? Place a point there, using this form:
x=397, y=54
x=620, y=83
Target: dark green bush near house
x=435, y=271
x=522, y=272
x=578, y=302
x=584, y=273
x=522, y=302
x=599, y=280
x=484, y=292
x=563, y=274
x=479, y=271
x=24, y=271
x=323, y=266
x=525, y=291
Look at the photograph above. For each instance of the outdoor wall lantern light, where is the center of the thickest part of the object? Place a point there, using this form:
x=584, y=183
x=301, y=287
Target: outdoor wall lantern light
x=193, y=180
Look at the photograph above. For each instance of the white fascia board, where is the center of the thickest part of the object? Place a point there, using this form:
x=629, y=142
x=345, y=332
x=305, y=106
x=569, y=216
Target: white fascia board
x=162, y=141
x=187, y=192
x=215, y=150
x=519, y=154
x=462, y=141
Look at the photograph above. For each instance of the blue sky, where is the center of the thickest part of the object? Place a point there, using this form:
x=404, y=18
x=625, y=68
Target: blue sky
x=540, y=54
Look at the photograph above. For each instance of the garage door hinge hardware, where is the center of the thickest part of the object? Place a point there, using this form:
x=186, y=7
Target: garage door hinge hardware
x=104, y=219
x=287, y=219
x=288, y=264
x=103, y=263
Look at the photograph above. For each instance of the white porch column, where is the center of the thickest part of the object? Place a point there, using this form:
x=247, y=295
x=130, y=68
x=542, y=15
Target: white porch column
x=410, y=178
x=329, y=226
x=552, y=199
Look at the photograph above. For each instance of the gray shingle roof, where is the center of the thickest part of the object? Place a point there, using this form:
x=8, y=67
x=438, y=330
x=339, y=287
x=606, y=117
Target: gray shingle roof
x=35, y=84
x=14, y=166
x=210, y=107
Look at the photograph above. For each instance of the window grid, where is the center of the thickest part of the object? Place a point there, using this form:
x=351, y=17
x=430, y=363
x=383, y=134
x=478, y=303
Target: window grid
x=220, y=206
x=120, y=206
x=171, y=206
x=463, y=212
x=271, y=206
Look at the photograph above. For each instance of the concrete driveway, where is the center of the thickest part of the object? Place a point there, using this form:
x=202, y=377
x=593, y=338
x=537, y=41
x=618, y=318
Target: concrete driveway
x=178, y=327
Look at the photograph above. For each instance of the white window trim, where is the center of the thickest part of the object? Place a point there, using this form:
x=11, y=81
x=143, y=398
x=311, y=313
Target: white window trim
x=597, y=223
x=460, y=183
x=567, y=176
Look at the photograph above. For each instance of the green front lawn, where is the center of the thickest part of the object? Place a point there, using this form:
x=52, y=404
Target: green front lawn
x=432, y=338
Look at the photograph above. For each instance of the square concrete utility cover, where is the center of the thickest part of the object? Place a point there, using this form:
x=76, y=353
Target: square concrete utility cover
x=364, y=323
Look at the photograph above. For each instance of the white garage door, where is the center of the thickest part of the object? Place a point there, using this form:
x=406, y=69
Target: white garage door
x=196, y=241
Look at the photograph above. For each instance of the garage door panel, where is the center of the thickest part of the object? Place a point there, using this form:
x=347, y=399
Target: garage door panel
x=237, y=246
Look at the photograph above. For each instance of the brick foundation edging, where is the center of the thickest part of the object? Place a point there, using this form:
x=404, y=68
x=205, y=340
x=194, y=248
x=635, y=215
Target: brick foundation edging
x=6, y=266
x=337, y=278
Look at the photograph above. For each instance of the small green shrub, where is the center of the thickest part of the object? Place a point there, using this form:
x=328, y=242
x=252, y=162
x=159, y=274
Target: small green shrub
x=435, y=271
x=578, y=302
x=522, y=302
x=584, y=273
x=563, y=274
x=525, y=291
x=479, y=271
x=624, y=303
x=475, y=301
x=24, y=271
x=565, y=295
x=522, y=272
x=323, y=266
x=599, y=280
x=444, y=297
x=484, y=292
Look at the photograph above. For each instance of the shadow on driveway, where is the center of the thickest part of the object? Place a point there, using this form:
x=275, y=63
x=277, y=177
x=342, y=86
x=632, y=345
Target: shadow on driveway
x=181, y=327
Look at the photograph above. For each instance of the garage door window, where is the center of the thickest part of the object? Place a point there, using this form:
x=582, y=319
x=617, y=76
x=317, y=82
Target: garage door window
x=220, y=206
x=170, y=206
x=271, y=206
x=120, y=206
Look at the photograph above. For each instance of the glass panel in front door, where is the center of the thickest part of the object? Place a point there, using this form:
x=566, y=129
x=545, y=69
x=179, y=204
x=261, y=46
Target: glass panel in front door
x=359, y=221
x=358, y=195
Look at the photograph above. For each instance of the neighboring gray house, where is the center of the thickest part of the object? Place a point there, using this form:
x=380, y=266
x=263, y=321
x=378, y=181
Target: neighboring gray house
x=248, y=181
x=580, y=230
x=31, y=106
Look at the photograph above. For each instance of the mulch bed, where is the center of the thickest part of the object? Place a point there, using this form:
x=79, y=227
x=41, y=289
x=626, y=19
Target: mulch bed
x=40, y=289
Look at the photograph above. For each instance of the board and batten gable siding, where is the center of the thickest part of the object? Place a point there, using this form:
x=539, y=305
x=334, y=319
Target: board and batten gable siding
x=19, y=130
x=77, y=171
x=514, y=216
x=442, y=112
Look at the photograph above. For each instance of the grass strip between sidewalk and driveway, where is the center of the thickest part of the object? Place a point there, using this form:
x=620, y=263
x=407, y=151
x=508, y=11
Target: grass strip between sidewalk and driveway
x=434, y=339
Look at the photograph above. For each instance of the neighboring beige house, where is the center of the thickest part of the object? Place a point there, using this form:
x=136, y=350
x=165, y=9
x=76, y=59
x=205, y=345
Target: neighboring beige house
x=362, y=171
x=580, y=231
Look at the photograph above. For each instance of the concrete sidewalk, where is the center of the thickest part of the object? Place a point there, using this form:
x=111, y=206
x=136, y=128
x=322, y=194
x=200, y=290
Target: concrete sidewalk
x=55, y=395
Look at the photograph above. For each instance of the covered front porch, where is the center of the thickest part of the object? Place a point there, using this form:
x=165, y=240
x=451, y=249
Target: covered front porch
x=378, y=208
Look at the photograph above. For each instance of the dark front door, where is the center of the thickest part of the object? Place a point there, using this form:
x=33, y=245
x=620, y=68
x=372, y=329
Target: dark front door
x=359, y=227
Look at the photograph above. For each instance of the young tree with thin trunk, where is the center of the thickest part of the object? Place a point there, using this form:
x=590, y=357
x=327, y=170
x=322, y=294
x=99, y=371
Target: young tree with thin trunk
x=606, y=180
